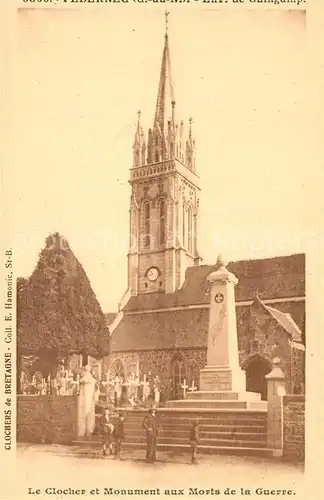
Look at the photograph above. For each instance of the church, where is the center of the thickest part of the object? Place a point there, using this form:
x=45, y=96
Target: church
x=162, y=323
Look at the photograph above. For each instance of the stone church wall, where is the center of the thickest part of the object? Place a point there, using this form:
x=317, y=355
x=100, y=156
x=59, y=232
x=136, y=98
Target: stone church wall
x=298, y=370
x=271, y=342
x=160, y=362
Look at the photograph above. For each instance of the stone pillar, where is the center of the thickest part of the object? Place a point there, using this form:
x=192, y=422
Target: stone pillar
x=86, y=404
x=223, y=372
x=276, y=391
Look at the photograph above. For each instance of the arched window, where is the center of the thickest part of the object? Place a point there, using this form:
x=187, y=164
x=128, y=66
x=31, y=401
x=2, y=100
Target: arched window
x=162, y=221
x=178, y=374
x=184, y=224
x=147, y=225
x=190, y=229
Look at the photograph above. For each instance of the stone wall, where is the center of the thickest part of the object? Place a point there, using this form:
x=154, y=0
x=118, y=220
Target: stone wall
x=160, y=362
x=298, y=369
x=46, y=419
x=294, y=427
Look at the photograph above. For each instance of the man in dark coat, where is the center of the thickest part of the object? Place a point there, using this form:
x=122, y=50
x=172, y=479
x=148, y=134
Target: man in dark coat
x=119, y=433
x=150, y=425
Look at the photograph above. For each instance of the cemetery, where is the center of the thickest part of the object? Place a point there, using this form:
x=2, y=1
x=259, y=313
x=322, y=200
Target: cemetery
x=231, y=419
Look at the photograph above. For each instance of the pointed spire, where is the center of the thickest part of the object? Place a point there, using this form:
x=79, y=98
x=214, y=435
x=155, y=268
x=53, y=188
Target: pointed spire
x=190, y=127
x=139, y=147
x=166, y=139
x=190, y=148
x=165, y=98
x=139, y=134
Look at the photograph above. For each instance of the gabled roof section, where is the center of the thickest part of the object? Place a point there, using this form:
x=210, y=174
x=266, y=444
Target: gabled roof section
x=273, y=278
x=110, y=318
x=161, y=330
x=186, y=328
x=287, y=323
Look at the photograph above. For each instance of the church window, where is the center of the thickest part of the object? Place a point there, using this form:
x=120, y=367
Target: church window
x=162, y=221
x=183, y=224
x=147, y=225
x=190, y=229
x=178, y=374
x=156, y=156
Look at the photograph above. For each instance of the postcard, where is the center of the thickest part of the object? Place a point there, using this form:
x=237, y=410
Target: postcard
x=162, y=248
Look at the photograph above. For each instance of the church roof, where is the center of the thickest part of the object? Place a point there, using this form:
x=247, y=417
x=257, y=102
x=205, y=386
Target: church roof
x=286, y=321
x=110, y=318
x=273, y=278
x=278, y=278
x=185, y=328
x=160, y=330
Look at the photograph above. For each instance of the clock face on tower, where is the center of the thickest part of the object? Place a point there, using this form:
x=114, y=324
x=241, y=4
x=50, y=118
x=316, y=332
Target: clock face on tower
x=153, y=273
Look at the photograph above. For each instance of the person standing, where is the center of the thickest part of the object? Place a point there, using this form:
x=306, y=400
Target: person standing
x=106, y=433
x=194, y=440
x=119, y=434
x=150, y=426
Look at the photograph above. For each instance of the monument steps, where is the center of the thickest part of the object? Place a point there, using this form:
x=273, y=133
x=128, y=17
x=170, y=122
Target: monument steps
x=217, y=421
x=214, y=435
x=202, y=449
x=217, y=441
x=235, y=432
x=204, y=429
x=207, y=416
x=218, y=403
x=223, y=396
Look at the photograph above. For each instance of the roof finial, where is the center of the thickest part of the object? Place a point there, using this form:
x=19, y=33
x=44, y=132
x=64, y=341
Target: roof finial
x=190, y=126
x=139, y=112
x=166, y=22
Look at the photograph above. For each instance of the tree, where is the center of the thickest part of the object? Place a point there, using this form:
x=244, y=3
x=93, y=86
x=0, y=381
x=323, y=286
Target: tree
x=58, y=313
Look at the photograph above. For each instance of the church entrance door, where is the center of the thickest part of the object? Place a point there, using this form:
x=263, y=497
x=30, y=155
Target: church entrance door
x=178, y=375
x=256, y=370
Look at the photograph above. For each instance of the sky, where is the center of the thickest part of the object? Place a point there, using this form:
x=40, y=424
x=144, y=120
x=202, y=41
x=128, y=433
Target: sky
x=83, y=74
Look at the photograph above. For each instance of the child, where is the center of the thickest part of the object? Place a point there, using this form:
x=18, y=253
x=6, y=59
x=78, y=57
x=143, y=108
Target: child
x=119, y=433
x=194, y=439
x=106, y=433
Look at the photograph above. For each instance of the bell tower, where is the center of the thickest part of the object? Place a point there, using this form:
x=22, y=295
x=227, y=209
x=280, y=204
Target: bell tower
x=165, y=195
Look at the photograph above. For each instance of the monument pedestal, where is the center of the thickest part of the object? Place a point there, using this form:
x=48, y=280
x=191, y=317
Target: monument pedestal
x=222, y=381
x=214, y=378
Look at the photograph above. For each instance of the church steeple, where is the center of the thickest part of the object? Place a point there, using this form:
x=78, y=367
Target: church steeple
x=165, y=139
x=165, y=102
x=165, y=195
